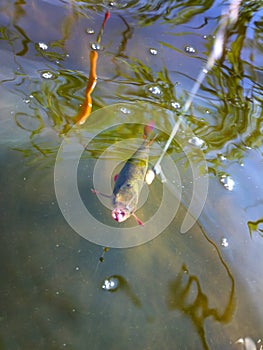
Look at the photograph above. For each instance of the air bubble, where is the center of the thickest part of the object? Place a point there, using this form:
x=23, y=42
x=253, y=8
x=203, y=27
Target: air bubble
x=43, y=46
x=90, y=31
x=47, y=75
x=176, y=105
x=209, y=37
x=153, y=51
x=118, y=4
x=125, y=110
x=27, y=100
x=110, y=284
x=227, y=182
x=247, y=342
x=196, y=141
x=190, y=49
x=224, y=242
x=155, y=90
x=96, y=47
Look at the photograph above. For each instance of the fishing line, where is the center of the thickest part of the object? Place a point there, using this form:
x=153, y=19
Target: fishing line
x=229, y=17
x=101, y=259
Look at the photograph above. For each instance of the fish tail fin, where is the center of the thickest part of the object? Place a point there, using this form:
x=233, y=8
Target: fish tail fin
x=148, y=129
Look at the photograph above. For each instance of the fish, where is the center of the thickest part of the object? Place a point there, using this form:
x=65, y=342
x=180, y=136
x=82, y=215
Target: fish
x=130, y=180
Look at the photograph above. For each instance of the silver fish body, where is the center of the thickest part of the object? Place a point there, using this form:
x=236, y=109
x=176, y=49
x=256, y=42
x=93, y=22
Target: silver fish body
x=129, y=184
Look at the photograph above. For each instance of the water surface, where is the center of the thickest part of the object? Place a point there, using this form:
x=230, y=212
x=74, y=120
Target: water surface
x=199, y=290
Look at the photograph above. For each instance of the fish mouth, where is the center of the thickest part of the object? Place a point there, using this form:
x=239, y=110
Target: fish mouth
x=119, y=215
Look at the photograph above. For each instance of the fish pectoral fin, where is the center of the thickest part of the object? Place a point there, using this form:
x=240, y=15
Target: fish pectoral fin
x=101, y=194
x=115, y=177
x=139, y=222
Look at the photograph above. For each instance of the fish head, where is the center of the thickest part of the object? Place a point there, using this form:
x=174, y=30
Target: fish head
x=120, y=214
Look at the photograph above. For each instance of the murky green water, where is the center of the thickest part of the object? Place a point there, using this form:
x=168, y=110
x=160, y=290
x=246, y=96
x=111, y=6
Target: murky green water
x=178, y=291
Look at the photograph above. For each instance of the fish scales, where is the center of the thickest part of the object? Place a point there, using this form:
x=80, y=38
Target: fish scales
x=129, y=184
x=131, y=178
